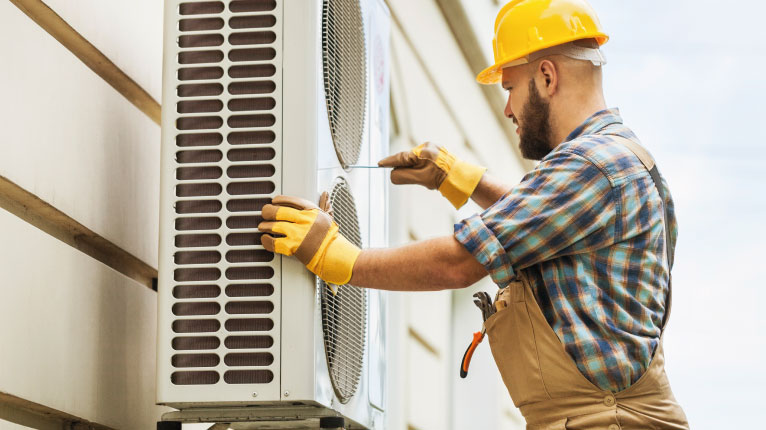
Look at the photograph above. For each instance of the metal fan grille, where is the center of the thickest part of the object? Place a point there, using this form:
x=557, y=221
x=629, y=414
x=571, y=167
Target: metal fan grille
x=344, y=315
x=345, y=76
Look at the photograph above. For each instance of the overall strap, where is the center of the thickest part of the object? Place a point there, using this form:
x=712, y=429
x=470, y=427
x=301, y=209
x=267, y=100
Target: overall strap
x=649, y=164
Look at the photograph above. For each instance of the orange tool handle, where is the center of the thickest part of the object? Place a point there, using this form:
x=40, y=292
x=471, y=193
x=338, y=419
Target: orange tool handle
x=477, y=338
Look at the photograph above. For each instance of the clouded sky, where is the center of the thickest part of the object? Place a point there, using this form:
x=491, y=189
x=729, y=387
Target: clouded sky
x=688, y=78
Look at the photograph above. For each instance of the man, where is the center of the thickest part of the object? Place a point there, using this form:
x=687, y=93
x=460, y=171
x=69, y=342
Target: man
x=582, y=246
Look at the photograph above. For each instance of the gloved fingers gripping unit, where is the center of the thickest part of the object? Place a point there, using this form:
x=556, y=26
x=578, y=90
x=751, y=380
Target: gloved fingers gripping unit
x=261, y=99
x=310, y=235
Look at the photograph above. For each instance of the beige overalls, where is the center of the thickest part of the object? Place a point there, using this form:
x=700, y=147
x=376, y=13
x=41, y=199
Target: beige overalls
x=545, y=383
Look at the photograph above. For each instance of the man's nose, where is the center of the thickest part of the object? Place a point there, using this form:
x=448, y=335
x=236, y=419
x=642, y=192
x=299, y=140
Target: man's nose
x=508, y=111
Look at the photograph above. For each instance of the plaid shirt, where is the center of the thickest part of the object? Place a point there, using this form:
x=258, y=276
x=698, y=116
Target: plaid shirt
x=586, y=225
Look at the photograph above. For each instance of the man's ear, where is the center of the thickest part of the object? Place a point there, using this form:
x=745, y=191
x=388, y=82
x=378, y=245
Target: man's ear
x=550, y=76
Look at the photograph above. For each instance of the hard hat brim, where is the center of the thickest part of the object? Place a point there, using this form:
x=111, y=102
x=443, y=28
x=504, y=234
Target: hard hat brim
x=494, y=73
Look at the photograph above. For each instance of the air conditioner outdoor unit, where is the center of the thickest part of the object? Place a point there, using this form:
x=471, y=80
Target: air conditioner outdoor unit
x=260, y=98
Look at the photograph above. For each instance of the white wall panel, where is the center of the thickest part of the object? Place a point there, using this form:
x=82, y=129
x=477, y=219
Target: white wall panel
x=427, y=389
x=481, y=15
x=428, y=118
x=76, y=143
x=396, y=361
x=128, y=32
x=7, y=425
x=77, y=336
x=429, y=315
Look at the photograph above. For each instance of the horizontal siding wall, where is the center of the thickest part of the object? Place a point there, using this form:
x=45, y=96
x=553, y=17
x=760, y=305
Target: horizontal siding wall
x=129, y=33
x=81, y=336
x=74, y=142
x=428, y=344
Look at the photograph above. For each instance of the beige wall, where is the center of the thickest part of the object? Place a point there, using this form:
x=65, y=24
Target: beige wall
x=82, y=335
x=78, y=337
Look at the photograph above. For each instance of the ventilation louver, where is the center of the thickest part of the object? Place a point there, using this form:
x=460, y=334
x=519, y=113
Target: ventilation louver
x=344, y=315
x=345, y=76
x=225, y=171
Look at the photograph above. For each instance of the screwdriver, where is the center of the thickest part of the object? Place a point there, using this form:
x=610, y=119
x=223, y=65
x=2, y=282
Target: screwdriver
x=358, y=166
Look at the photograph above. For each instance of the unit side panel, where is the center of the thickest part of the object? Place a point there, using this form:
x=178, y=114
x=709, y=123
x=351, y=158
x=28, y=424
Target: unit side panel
x=379, y=48
x=219, y=289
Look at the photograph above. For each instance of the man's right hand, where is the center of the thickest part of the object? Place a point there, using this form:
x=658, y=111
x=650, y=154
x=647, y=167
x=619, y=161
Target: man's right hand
x=435, y=168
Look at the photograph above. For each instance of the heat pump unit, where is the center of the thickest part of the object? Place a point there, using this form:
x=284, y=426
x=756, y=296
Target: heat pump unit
x=260, y=98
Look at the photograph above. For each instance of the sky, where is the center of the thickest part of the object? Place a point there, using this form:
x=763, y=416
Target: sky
x=688, y=79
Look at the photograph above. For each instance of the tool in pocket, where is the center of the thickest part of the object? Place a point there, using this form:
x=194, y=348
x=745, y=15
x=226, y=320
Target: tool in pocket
x=483, y=302
x=502, y=298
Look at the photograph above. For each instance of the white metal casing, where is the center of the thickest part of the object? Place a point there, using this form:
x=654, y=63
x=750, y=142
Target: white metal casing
x=305, y=165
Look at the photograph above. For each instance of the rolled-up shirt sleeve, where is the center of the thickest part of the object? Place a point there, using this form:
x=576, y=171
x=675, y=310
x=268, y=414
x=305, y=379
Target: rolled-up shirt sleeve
x=565, y=206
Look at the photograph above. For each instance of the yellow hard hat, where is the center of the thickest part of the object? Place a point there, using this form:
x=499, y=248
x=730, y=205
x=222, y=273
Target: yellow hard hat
x=526, y=26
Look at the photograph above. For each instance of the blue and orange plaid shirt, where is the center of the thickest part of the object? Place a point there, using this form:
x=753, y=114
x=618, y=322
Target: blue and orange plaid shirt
x=586, y=226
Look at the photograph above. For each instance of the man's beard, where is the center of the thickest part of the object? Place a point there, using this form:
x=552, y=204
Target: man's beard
x=535, y=133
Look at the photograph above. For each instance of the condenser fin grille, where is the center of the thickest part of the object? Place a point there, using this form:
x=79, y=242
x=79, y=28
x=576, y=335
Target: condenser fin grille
x=344, y=315
x=344, y=59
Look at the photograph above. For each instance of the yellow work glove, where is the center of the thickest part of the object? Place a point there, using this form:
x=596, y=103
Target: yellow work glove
x=435, y=168
x=310, y=235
